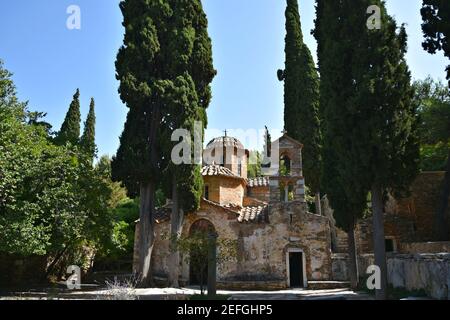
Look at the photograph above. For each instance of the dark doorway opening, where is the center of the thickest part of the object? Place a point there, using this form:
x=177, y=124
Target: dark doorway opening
x=390, y=246
x=296, y=269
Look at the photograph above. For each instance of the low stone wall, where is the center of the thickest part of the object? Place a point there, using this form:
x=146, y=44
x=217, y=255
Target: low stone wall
x=429, y=272
x=425, y=247
x=339, y=267
x=18, y=271
x=252, y=285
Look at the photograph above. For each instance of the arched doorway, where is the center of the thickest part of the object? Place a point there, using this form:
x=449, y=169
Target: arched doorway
x=198, y=256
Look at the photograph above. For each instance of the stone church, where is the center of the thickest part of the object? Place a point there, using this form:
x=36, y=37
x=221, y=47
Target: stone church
x=279, y=243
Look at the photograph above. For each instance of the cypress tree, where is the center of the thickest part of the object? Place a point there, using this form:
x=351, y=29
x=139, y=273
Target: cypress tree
x=165, y=69
x=142, y=72
x=87, y=140
x=340, y=175
x=301, y=95
x=377, y=149
x=187, y=101
x=388, y=140
x=70, y=129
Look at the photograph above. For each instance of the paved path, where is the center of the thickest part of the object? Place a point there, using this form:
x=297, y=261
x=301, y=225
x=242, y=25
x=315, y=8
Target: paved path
x=183, y=294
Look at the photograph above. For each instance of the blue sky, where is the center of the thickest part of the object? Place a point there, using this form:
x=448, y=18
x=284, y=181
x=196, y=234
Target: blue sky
x=50, y=61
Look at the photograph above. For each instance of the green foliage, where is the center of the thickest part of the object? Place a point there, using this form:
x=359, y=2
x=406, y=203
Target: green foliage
x=70, y=129
x=254, y=168
x=87, y=141
x=340, y=174
x=165, y=70
x=433, y=103
x=52, y=202
x=434, y=157
x=435, y=27
x=301, y=95
x=195, y=247
x=370, y=129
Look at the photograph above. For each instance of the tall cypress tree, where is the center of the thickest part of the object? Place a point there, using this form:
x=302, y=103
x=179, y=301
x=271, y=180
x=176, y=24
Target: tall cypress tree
x=301, y=95
x=165, y=69
x=367, y=77
x=340, y=177
x=142, y=72
x=87, y=140
x=388, y=142
x=70, y=129
x=187, y=101
x=436, y=29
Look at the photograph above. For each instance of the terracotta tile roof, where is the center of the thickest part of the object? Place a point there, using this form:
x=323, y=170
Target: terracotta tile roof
x=226, y=141
x=257, y=214
x=258, y=182
x=216, y=170
x=248, y=214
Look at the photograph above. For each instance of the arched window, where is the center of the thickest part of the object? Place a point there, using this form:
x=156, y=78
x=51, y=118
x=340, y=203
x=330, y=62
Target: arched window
x=285, y=165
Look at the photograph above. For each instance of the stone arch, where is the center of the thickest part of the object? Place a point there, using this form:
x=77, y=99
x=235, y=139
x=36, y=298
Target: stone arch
x=285, y=164
x=201, y=227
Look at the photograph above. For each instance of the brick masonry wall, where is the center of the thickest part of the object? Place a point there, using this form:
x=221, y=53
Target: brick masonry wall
x=260, y=193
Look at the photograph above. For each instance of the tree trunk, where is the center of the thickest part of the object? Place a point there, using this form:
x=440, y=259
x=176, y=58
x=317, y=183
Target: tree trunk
x=352, y=258
x=212, y=265
x=440, y=220
x=147, y=233
x=379, y=240
x=318, y=204
x=176, y=227
x=55, y=261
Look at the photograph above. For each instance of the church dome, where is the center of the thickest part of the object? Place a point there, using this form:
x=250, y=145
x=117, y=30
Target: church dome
x=225, y=141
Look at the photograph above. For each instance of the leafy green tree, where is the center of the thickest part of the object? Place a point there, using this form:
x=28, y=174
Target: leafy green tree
x=70, y=129
x=87, y=141
x=301, y=96
x=51, y=203
x=435, y=27
x=433, y=100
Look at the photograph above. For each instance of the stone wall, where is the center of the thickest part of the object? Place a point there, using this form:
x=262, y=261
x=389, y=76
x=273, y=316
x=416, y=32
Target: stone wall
x=17, y=270
x=425, y=247
x=407, y=220
x=421, y=205
x=428, y=272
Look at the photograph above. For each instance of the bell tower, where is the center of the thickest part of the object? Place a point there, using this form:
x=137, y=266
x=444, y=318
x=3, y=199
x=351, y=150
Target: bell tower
x=287, y=183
